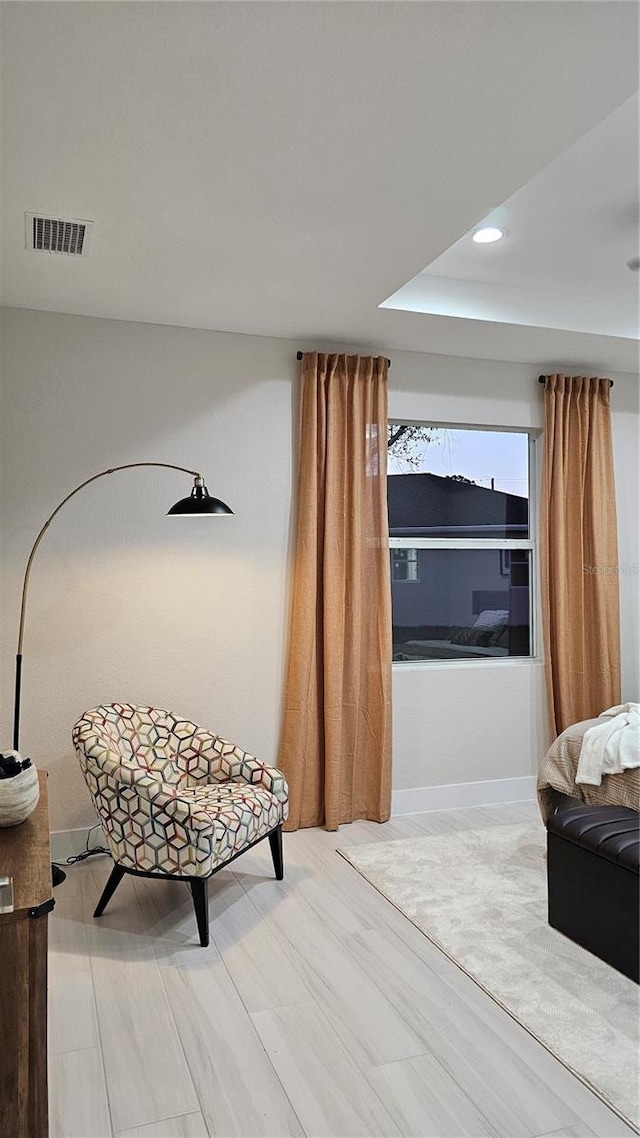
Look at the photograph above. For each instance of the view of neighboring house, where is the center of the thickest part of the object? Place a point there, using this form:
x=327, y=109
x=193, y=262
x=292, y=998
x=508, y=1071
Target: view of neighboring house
x=439, y=594
x=428, y=505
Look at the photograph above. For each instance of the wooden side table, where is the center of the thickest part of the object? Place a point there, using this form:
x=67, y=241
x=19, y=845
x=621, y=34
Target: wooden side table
x=25, y=856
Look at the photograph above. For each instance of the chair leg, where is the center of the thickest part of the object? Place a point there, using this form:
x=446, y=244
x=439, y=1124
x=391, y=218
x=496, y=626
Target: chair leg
x=117, y=873
x=275, y=841
x=198, y=886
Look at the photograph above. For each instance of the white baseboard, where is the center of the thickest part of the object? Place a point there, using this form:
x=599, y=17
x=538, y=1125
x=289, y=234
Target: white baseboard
x=457, y=795
x=417, y=800
x=69, y=843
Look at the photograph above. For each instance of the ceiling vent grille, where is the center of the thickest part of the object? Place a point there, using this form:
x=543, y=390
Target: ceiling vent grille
x=57, y=235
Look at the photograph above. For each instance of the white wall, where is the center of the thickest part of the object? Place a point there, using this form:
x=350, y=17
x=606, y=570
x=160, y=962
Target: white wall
x=128, y=604
x=125, y=603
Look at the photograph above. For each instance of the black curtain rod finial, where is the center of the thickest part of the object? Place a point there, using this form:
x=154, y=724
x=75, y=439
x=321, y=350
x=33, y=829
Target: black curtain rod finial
x=299, y=356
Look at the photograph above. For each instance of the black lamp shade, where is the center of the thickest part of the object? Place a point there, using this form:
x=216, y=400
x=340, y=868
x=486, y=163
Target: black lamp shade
x=199, y=502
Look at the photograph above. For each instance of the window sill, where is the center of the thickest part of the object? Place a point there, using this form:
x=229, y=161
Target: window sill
x=506, y=661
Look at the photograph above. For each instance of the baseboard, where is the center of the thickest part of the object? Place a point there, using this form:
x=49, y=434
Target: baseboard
x=419, y=799
x=69, y=843
x=457, y=795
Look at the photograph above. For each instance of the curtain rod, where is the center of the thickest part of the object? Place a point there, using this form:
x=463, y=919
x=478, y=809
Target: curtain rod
x=299, y=356
x=542, y=379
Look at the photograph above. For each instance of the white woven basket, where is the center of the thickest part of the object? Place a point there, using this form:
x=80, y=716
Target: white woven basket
x=18, y=796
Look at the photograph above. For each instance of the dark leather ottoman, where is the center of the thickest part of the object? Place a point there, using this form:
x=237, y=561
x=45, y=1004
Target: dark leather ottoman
x=593, y=853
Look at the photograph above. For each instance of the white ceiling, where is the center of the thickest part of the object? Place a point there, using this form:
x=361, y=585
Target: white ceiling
x=569, y=233
x=282, y=168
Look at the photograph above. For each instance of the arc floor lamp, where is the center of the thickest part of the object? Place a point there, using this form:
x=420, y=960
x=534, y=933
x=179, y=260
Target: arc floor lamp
x=199, y=503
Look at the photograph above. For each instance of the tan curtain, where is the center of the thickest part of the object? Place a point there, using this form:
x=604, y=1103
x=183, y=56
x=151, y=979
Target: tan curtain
x=579, y=551
x=336, y=735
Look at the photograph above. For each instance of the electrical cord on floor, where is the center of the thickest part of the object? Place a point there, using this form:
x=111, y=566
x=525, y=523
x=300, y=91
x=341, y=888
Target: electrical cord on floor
x=87, y=852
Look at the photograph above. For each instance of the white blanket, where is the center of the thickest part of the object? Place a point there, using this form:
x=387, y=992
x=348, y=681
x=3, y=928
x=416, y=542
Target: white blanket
x=612, y=746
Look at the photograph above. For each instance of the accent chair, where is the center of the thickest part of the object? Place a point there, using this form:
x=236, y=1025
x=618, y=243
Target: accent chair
x=175, y=801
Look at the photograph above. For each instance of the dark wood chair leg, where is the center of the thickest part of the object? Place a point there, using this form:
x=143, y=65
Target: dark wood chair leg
x=117, y=873
x=198, y=886
x=275, y=841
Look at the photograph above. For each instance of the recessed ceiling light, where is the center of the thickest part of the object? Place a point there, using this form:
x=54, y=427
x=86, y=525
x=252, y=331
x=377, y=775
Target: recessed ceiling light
x=487, y=234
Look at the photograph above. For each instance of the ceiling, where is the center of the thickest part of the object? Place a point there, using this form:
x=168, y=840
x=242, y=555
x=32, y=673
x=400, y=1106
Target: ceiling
x=562, y=263
x=282, y=168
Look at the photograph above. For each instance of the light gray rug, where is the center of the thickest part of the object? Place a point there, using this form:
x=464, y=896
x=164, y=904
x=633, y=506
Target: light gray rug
x=481, y=897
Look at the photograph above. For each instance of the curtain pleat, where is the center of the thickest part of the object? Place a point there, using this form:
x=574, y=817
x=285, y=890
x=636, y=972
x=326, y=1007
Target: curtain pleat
x=335, y=745
x=579, y=551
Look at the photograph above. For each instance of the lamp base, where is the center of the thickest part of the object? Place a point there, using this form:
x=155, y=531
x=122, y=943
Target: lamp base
x=57, y=875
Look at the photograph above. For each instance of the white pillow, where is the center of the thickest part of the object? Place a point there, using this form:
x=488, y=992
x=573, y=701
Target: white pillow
x=492, y=618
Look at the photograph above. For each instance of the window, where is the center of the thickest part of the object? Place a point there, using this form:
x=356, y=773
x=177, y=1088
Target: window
x=461, y=544
x=405, y=565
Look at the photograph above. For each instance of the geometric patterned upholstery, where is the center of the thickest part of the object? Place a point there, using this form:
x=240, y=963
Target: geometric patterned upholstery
x=172, y=797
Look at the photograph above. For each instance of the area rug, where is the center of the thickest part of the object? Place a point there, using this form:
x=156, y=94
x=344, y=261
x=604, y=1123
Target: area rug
x=481, y=897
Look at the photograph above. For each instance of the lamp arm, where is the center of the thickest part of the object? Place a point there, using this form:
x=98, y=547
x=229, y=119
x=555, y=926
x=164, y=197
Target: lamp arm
x=27, y=572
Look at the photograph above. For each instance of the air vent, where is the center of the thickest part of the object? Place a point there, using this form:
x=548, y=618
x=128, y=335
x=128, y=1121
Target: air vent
x=57, y=235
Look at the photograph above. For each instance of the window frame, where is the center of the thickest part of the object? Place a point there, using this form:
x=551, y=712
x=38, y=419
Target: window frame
x=533, y=436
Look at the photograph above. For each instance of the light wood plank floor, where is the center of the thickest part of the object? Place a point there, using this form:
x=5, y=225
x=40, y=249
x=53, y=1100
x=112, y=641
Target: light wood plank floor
x=317, y=1010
